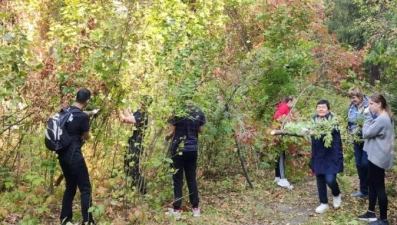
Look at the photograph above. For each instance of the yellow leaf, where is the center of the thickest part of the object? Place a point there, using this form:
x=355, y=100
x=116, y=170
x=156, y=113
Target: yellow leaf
x=3, y=213
x=49, y=200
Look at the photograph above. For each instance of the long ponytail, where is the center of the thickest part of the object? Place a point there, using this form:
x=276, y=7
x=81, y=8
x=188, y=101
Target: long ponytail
x=389, y=112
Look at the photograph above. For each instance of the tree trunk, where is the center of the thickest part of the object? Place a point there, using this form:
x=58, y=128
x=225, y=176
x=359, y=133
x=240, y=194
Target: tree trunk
x=375, y=74
x=284, y=132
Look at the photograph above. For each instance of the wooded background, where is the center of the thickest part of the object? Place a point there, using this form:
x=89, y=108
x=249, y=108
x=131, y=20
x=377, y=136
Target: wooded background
x=235, y=58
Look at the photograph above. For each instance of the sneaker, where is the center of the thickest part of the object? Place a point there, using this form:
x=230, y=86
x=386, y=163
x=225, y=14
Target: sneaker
x=379, y=222
x=359, y=194
x=276, y=179
x=283, y=183
x=66, y=221
x=337, y=201
x=368, y=216
x=196, y=212
x=322, y=208
x=177, y=213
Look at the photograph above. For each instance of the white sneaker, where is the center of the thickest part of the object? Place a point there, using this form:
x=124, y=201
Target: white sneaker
x=196, y=212
x=337, y=201
x=283, y=183
x=174, y=213
x=322, y=208
x=276, y=179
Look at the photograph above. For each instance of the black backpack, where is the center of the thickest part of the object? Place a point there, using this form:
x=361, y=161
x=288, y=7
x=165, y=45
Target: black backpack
x=56, y=137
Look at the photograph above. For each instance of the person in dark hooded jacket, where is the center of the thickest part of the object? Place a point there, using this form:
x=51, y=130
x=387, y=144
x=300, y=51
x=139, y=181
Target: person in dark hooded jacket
x=139, y=119
x=326, y=161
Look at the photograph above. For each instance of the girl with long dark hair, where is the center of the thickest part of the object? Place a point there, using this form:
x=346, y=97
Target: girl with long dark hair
x=379, y=144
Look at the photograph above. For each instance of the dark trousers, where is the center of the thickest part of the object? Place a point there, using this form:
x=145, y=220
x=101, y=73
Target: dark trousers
x=131, y=164
x=280, y=167
x=322, y=182
x=376, y=181
x=362, y=166
x=185, y=163
x=76, y=175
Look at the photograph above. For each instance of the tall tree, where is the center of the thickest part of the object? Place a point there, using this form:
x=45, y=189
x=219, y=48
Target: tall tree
x=343, y=16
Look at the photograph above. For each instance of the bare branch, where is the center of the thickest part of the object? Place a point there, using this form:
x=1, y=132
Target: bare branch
x=286, y=133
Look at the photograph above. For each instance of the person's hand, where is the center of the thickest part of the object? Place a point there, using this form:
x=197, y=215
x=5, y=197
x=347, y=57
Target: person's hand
x=121, y=116
x=367, y=111
x=95, y=111
x=306, y=131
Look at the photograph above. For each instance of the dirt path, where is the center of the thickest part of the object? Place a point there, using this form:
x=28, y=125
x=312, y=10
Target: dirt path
x=266, y=204
x=269, y=204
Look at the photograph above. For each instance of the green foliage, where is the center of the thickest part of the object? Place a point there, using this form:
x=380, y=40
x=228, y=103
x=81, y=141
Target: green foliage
x=323, y=129
x=318, y=128
x=97, y=211
x=235, y=59
x=369, y=26
x=13, y=61
x=284, y=58
x=343, y=16
x=7, y=183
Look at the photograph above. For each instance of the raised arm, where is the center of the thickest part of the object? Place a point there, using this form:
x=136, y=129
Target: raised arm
x=85, y=127
x=126, y=118
x=92, y=112
x=126, y=112
x=371, y=127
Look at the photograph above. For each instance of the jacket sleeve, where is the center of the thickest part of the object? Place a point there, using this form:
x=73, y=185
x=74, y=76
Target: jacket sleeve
x=371, y=127
x=138, y=117
x=337, y=140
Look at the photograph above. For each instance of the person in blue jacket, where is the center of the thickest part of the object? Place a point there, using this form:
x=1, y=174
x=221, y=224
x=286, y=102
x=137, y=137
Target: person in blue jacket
x=359, y=102
x=326, y=162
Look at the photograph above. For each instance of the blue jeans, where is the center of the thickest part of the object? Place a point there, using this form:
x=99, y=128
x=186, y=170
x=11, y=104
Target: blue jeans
x=322, y=182
x=362, y=166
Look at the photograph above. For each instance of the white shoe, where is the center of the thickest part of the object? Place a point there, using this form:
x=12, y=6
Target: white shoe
x=322, y=208
x=174, y=213
x=276, y=180
x=337, y=201
x=196, y=212
x=283, y=183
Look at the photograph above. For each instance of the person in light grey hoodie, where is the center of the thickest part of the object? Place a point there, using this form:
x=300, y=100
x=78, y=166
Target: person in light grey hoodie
x=379, y=144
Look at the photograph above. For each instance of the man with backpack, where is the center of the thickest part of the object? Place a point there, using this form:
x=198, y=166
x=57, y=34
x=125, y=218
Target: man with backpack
x=139, y=119
x=72, y=161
